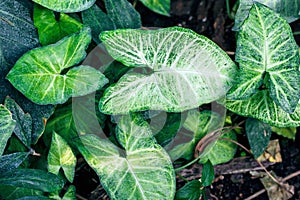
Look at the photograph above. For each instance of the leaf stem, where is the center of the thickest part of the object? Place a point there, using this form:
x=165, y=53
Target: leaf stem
x=296, y=33
x=186, y=165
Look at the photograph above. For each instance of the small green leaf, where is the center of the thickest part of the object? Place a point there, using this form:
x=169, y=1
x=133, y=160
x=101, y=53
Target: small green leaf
x=208, y=174
x=123, y=14
x=258, y=134
x=50, y=29
x=23, y=129
x=32, y=179
x=13, y=193
x=61, y=156
x=190, y=191
x=264, y=60
x=66, y=6
x=144, y=166
x=288, y=9
x=186, y=70
x=97, y=20
x=288, y=132
x=39, y=74
x=262, y=107
x=12, y=161
x=162, y=7
x=7, y=126
x=69, y=195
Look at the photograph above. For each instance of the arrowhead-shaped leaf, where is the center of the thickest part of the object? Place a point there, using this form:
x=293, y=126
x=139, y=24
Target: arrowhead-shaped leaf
x=32, y=179
x=39, y=74
x=66, y=6
x=268, y=57
x=7, y=125
x=262, y=107
x=145, y=167
x=61, y=156
x=50, y=29
x=159, y=6
x=186, y=70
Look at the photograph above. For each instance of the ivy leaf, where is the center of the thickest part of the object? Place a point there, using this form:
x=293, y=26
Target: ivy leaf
x=12, y=161
x=32, y=179
x=262, y=54
x=123, y=14
x=144, y=166
x=42, y=79
x=190, y=191
x=289, y=10
x=97, y=20
x=262, y=107
x=258, y=134
x=61, y=156
x=186, y=70
x=7, y=125
x=66, y=6
x=23, y=129
x=162, y=7
x=51, y=29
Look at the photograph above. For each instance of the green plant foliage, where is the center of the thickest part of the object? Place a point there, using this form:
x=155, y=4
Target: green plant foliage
x=145, y=167
x=288, y=9
x=199, y=123
x=50, y=29
x=41, y=79
x=262, y=107
x=162, y=7
x=7, y=125
x=265, y=61
x=190, y=191
x=23, y=129
x=12, y=161
x=97, y=20
x=13, y=193
x=187, y=70
x=32, y=179
x=69, y=195
x=34, y=198
x=123, y=14
x=62, y=157
x=66, y=6
x=288, y=132
x=259, y=135
x=208, y=174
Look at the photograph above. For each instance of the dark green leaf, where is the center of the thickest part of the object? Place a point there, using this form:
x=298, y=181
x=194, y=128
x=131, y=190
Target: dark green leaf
x=123, y=14
x=190, y=191
x=159, y=6
x=97, y=20
x=50, y=29
x=7, y=126
x=34, y=198
x=259, y=135
x=66, y=6
x=62, y=157
x=69, y=195
x=41, y=78
x=23, y=129
x=144, y=166
x=208, y=174
x=13, y=193
x=32, y=179
x=265, y=61
x=12, y=161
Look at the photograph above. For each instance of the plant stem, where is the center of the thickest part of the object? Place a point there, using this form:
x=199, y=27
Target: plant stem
x=186, y=165
x=296, y=33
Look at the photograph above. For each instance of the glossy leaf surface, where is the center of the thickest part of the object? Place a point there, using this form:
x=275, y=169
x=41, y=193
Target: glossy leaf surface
x=144, y=166
x=186, y=70
x=12, y=161
x=159, y=6
x=42, y=80
x=66, y=6
x=268, y=57
x=13, y=193
x=7, y=125
x=50, y=29
x=190, y=191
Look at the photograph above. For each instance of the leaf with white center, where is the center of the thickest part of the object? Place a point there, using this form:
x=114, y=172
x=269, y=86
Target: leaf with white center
x=39, y=74
x=262, y=107
x=66, y=6
x=159, y=6
x=268, y=57
x=61, y=156
x=142, y=171
x=7, y=125
x=51, y=29
x=186, y=70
